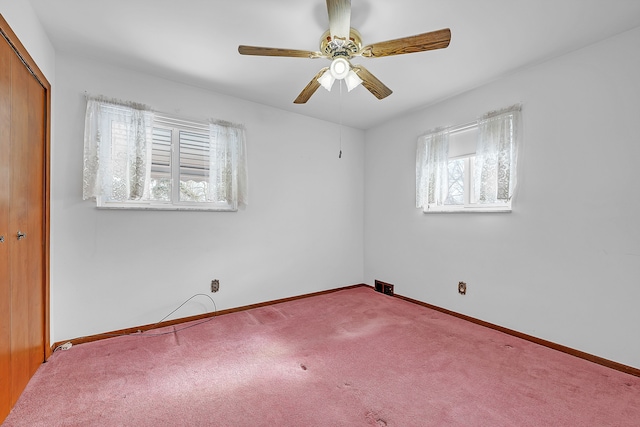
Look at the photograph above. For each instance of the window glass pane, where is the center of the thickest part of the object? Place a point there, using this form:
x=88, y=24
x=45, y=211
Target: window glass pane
x=456, y=182
x=160, y=188
x=194, y=166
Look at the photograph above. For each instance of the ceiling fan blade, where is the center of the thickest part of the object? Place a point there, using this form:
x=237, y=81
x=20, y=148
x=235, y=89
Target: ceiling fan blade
x=371, y=83
x=272, y=51
x=310, y=89
x=339, y=18
x=419, y=43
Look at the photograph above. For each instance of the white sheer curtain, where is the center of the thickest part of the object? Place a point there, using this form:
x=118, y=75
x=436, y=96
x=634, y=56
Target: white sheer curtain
x=228, y=178
x=496, y=155
x=432, y=173
x=117, y=150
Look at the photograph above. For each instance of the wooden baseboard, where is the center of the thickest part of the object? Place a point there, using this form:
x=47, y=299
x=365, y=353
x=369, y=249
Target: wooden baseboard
x=138, y=329
x=577, y=353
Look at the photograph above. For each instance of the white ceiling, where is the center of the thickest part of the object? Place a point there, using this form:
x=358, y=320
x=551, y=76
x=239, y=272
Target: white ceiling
x=196, y=41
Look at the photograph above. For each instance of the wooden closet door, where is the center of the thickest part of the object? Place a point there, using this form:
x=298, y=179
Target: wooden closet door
x=33, y=171
x=26, y=225
x=24, y=217
x=5, y=287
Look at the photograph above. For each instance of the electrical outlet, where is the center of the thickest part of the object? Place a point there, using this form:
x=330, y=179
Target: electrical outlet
x=215, y=285
x=462, y=288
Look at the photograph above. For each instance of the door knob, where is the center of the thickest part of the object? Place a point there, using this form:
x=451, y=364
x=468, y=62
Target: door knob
x=21, y=235
x=1, y=239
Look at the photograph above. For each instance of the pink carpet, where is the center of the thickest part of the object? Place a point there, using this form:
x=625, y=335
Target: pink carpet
x=349, y=358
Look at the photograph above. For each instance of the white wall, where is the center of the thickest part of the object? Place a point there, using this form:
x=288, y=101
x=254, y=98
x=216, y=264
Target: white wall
x=302, y=231
x=565, y=264
x=23, y=21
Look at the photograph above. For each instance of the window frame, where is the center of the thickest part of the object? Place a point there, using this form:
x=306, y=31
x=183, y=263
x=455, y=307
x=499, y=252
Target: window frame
x=470, y=205
x=175, y=125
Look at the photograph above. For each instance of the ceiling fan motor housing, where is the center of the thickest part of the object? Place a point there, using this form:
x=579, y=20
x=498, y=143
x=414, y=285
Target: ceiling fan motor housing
x=334, y=47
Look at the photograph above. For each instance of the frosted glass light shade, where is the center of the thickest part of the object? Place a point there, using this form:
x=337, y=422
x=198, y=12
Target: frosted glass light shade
x=352, y=80
x=326, y=80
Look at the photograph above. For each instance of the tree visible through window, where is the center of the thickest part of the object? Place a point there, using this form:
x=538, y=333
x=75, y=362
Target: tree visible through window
x=456, y=191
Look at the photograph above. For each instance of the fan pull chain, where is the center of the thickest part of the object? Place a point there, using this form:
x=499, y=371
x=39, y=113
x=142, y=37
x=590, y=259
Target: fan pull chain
x=340, y=125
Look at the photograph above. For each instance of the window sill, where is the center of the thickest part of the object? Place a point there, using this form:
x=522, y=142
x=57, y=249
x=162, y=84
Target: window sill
x=209, y=207
x=502, y=208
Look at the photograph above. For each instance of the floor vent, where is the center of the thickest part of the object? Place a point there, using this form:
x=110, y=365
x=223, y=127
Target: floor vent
x=385, y=288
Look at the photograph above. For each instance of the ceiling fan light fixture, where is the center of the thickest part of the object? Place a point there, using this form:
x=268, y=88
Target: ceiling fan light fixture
x=326, y=80
x=352, y=80
x=339, y=69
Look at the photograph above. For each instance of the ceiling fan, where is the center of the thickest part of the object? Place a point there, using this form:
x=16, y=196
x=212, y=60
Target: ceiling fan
x=341, y=43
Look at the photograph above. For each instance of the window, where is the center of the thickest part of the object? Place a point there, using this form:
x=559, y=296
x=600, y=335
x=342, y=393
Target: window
x=138, y=159
x=469, y=168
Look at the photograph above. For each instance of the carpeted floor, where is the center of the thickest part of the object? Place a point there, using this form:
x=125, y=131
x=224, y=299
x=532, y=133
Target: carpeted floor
x=349, y=358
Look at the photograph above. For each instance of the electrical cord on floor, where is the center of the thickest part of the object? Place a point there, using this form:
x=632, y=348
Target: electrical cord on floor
x=215, y=309
x=67, y=345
